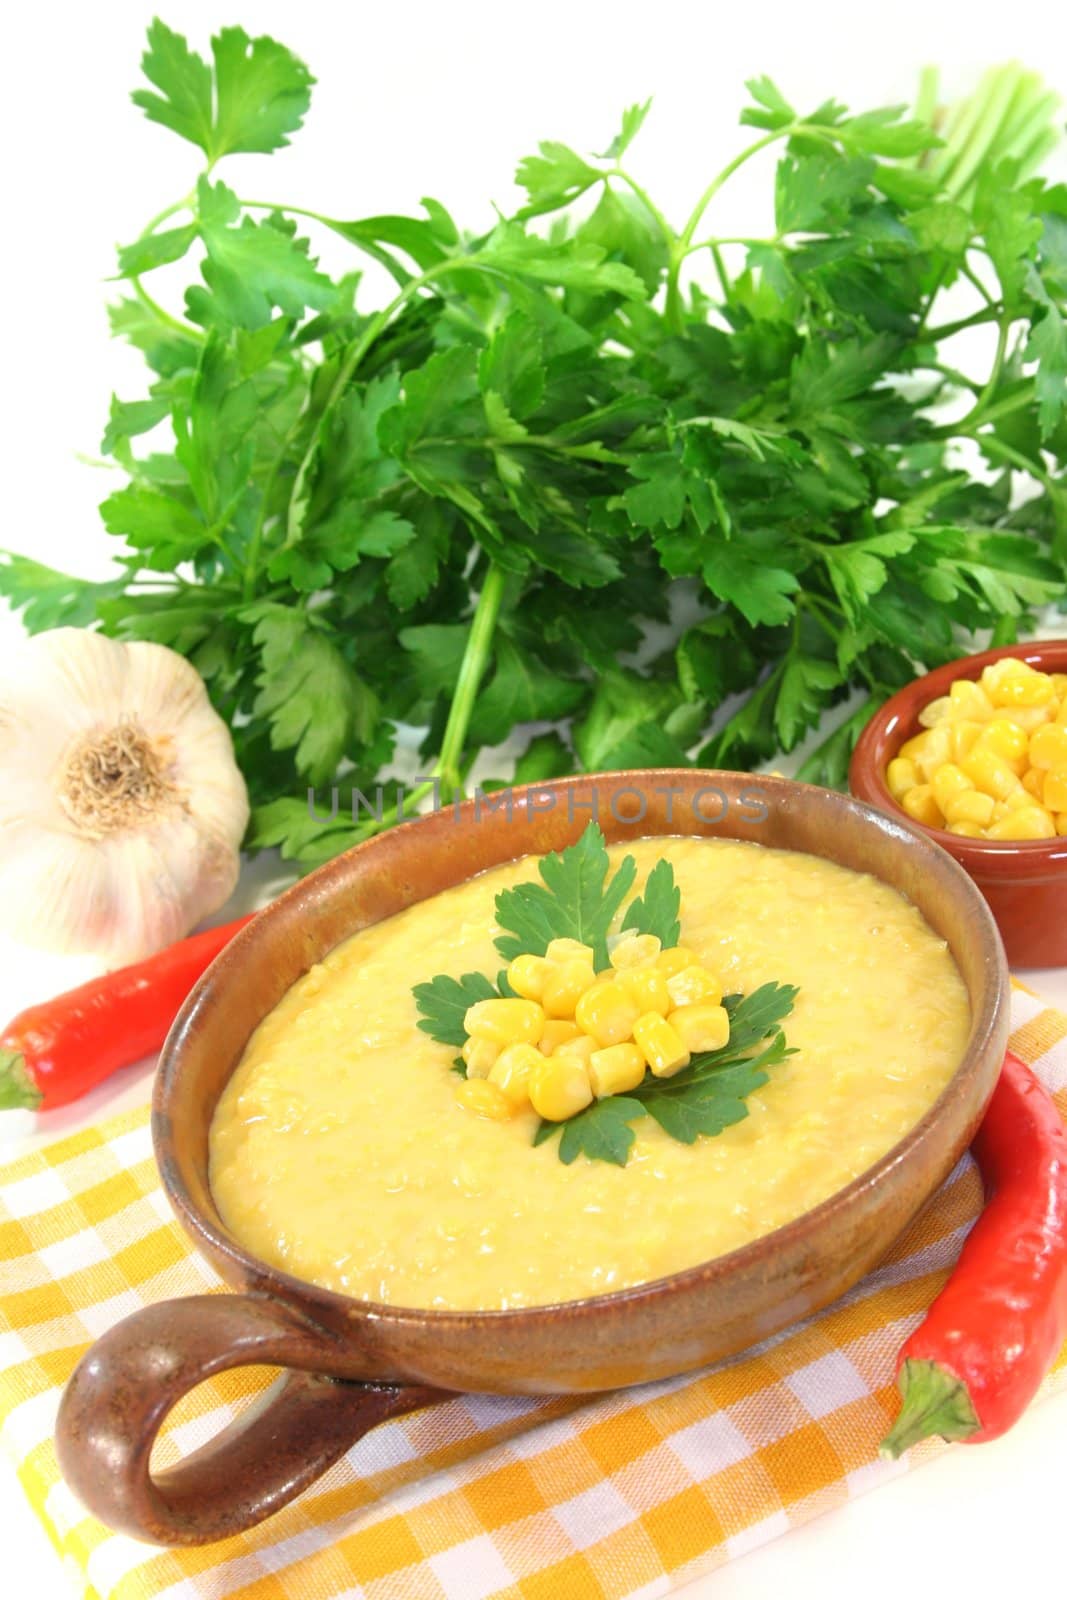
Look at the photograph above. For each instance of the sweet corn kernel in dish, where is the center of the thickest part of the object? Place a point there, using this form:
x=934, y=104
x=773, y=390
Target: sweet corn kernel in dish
x=660, y=1044
x=557, y=1032
x=569, y=950
x=692, y=984
x=565, y=984
x=647, y=988
x=560, y=1087
x=511, y=1070
x=920, y=805
x=615, y=1069
x=527, y=975
x=607, y=1012
x=577, y=1049
x=1048, y=747
x=965, y=736
x=479, y=1056
x=504, y=1022
x=632, y=950
x=703, y=1026
x=1054, y=790
x=991, y=759
x=973, y=807
x=485, y=1099
x=676, y=959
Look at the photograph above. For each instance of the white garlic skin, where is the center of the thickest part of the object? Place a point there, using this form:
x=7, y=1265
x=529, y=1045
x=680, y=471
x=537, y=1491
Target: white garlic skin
x=121, y=805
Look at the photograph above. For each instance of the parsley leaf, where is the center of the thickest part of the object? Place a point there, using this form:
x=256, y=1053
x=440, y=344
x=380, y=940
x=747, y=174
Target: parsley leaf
x=710, y=1104
x=51, y=599
x=263, y=93
x=656, y=911
x=574, y=265
x=443, y=1003
x=772, y=109
x=632, y=122
x=184, y=79
x=752, y=1017
x=574, y=900
x=554, y=177
x=761, y=592
x=313, y=699
x=522, y=689
x=258, y=94
x=254, y=267
x=602, y=1133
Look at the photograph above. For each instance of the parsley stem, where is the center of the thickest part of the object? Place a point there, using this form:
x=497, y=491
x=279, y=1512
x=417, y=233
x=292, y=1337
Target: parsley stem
x=297, y=211
x=981, y=406
x=947, y=329
x=446, y=771
x=960, y=379
x=471, y=671
x=972, y=277
x=673, y=311
x=184, y=204
x=924, y=315
x=186, y=329
x=727, y=172
x=1015, y=458
x=714, y=241
x=998, y=363
x=1003, y=408
x=720, y=270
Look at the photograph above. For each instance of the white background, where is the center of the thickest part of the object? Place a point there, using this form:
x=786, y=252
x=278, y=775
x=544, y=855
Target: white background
x=438, y=99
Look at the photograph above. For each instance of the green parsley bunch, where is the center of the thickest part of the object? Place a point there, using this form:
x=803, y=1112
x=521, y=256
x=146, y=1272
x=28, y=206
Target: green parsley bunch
x=463, y=509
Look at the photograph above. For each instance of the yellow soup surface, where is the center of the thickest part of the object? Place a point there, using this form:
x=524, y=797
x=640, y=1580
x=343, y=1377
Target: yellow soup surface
x=339, y=1152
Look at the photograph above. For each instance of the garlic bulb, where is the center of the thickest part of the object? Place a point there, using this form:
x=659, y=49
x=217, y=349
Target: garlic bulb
x=121, y=806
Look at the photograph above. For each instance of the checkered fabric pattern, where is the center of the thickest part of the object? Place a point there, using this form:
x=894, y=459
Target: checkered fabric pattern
x=630, y=1494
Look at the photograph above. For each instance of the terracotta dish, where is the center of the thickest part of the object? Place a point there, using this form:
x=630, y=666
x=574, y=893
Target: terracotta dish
x=390, y=1359
x=1024, y=883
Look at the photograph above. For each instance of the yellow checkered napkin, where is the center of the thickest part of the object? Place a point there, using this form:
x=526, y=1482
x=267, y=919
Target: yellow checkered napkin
x=629, y=1494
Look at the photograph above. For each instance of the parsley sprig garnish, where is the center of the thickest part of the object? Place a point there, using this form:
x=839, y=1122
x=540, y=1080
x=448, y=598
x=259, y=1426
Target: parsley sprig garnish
x=578, y=898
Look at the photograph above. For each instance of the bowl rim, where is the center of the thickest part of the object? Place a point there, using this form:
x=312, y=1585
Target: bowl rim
x=870, y=773
x=210, y=1231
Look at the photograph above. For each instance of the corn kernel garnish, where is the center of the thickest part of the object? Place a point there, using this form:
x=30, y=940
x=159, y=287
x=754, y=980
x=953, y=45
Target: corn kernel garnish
x=648, y=1013
x=560, y=1087
x=558, y=1040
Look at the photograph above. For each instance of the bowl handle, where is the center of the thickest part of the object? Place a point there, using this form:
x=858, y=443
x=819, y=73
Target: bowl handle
x=123, y=1388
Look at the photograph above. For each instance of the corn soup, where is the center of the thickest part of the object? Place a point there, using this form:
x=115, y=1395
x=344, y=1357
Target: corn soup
x=341, y=1153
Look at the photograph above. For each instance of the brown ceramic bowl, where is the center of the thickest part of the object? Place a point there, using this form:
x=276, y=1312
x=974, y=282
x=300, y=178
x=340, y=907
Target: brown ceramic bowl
x=390, y=1359
x=1025, y=883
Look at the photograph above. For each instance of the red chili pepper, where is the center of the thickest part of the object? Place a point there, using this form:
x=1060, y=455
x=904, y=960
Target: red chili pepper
x=971, y=1368
x=53, y=1052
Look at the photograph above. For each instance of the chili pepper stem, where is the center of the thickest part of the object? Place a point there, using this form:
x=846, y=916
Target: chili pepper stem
x=933, y=1402
x=18, y=1092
